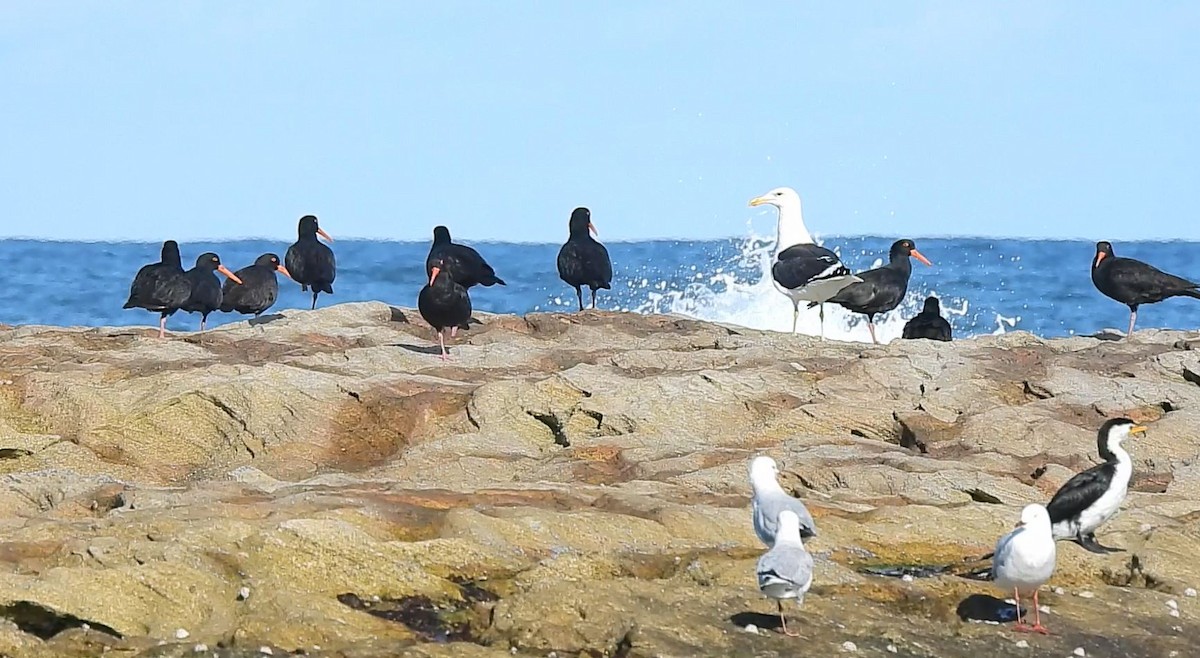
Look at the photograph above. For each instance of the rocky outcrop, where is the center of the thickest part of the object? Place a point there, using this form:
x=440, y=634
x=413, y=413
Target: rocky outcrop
x=320, y=482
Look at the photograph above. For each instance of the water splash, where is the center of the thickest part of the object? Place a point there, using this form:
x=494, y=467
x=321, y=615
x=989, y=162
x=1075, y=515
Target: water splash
x=740, y=291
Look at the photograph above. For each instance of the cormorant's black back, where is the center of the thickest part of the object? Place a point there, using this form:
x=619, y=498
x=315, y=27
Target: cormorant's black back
x=929, y=323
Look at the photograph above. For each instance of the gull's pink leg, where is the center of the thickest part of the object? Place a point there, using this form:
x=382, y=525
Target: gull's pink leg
x=783, y=621
x=1037, y=617
x=1021, y=625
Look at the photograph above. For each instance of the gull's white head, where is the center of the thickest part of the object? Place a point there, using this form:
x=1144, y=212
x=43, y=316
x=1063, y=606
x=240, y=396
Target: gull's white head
x=789, y=527
x=1034, y=516
x=779, y=197
x=791, y=219
x=762, y=470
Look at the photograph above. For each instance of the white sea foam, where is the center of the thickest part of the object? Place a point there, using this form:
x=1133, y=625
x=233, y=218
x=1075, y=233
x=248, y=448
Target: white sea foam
x=743, y=293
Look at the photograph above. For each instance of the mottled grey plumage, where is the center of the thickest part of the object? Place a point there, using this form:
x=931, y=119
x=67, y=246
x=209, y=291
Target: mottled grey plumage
x=786, y=571
x=770, y=500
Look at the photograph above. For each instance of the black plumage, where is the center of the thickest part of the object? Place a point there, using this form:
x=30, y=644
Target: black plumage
x=464, y=264
x=310, y=262
x=802, y=264
x=204, y=286
x=1093, y=496
x=259, y=288
x=444, y=304
x=160, y=287
x=1134, y=283
x=929, y=323
x=583, y=261
x=883, y=288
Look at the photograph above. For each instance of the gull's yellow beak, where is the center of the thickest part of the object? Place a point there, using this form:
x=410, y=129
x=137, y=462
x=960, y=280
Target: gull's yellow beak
x=757, y=201
x=1137, y=429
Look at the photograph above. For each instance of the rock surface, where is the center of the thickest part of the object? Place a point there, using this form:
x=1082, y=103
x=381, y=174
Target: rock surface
x=321, y=483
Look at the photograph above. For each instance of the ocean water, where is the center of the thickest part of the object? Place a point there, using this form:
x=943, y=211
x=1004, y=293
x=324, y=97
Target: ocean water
x=986, y=285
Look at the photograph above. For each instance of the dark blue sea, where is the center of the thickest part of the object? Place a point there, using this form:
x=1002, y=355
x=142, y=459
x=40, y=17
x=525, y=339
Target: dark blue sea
x=986, y=285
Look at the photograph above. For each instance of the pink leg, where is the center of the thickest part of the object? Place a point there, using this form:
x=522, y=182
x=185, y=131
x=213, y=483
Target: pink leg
x=1037, y=617
x=442, y=342
x=1021, y=625
x=162, y=327
x=783, y=621
x=201, y=324
x=453, y=331
x=871, y=328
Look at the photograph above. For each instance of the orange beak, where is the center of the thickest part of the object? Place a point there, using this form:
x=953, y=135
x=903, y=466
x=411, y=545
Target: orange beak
x=225, y=270
x=916, y=254
x=283, y=270
x=592, y=228
x=433, y=274
x=321, y=232
x=1099, y=257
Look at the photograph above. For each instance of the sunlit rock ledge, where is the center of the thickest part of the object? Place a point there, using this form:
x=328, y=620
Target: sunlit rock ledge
x=321, y=482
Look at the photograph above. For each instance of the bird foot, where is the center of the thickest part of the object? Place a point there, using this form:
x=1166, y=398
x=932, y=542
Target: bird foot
x=1036, y=628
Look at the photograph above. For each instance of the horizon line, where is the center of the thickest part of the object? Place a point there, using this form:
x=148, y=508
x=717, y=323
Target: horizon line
x=25, y=238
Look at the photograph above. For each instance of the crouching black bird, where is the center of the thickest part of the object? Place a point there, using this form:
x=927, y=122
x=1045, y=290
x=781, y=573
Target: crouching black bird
x=444, y=304
x=1094, y=496
x=160, y=287
x=259, y=288
x=1134, y=283
x=929, y=323
x=205, y=296
x=583, y=261
x=310, y=262
x=464, y=264
x=881, y=289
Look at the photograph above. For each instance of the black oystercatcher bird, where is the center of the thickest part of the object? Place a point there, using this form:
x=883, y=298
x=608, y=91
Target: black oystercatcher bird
x=583, y=261
x=444, y=304
x=259, y=287
x=1092, y=497
x=803, y=270
x=160, y=287
x=1134, y=283
x=205, y=287
x=929, y=323
x=464, y=264
x=881, y=289
x=310, y=262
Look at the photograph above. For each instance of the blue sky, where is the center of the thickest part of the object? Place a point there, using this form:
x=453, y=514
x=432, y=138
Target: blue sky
x=224, y=119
